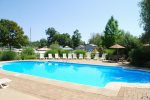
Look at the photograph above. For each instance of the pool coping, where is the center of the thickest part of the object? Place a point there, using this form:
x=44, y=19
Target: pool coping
x=111, y=89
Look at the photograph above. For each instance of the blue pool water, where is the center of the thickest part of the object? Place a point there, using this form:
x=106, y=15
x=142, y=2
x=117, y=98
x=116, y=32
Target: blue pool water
x=93, y=75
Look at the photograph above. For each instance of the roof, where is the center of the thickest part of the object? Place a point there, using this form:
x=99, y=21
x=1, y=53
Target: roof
x=67, y=48
x=92, y=44
x=147, y=45
x=43, y=49
x=117, y=46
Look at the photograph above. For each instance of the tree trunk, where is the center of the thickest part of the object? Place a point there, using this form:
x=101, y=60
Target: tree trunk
x=9, y=47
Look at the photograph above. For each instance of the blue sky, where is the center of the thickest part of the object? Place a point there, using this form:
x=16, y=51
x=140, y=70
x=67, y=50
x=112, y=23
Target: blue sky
x=88, y=16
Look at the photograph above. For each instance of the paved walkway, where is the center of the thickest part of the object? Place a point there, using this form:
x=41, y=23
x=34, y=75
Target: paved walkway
x=124, y=94
x=133, y=94
x=11, y=94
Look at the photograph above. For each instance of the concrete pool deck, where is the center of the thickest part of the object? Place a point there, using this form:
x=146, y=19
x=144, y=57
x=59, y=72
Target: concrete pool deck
x=46, y=89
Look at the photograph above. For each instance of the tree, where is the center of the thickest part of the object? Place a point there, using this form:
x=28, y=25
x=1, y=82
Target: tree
x=55, y=46
x=65, y=40
x=96, y=39
x=82, y=42
x=11, y=34
x=129, y=41
x=35, y=44
x=43, y=42
x=62, y=39
x=111, y=33
x=76, y=38
x=51, y=32
x=145, y=20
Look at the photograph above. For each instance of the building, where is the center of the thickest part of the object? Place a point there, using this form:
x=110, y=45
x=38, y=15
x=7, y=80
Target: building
x=80, y=47
x=90, y=47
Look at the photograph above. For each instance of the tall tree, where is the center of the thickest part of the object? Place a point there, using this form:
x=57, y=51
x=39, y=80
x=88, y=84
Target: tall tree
x=11, y=34
x=111, y=33
x=145, y=19
x=76, y=38
x=51, y=32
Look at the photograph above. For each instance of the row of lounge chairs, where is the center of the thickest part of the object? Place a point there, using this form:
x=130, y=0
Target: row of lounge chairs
x=73, y=56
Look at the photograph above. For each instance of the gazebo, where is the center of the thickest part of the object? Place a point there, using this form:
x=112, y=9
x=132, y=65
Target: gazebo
x=117, y=46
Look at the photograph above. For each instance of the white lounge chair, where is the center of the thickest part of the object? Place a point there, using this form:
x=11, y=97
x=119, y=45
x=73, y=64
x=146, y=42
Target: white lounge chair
x=64, y=56
x=42, y=56
x=4, y=82
x=88, y=55
x=50, y=56
x=74, y=56
x=103, y=56
x=56, y=56
x=80, y=56
x=96, y=57
x=69, y=56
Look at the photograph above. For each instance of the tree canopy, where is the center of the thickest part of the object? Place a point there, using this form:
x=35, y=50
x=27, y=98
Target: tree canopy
x=50, y=32
x=145, y=20
x=129, y=41
x=64, y=39
x=11, y=34
x=76, y=38
x=96, y=39
x=43, y=43
x=111, y=33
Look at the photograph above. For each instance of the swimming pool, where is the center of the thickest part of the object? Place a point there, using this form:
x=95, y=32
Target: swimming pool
x=93, y=75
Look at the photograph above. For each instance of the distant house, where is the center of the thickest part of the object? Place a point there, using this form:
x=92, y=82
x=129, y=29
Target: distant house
x=90, y=47
x=17, y=50
x=41, y=50
x=80, y=47
x=67, y=48
x=147, y=45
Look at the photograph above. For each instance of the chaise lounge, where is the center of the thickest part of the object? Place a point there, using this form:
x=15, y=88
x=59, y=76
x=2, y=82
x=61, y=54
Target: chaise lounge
x=4, y=82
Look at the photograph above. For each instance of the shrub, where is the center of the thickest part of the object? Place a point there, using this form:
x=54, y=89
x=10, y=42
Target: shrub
x=94, y=52
x=28, y=53
x=18, y=57
x=54, y=46
x=140, y=57
x=8, y=55
x=29, y=57
x=80, y=52
x=64, y=51
x=110, y=52
x=52, y=52
x=0, y=54
x=92, y=55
